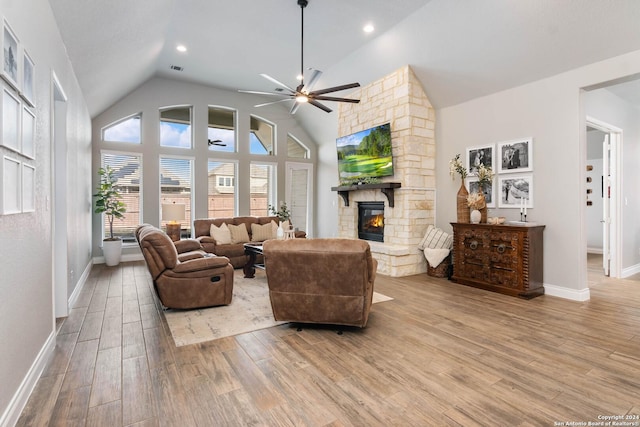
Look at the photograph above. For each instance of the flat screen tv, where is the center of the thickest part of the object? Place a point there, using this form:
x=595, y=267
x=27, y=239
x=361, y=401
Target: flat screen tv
x=365, y=154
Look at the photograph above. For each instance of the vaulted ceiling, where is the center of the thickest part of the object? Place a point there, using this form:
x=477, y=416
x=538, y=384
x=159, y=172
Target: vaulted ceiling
x=459, y=49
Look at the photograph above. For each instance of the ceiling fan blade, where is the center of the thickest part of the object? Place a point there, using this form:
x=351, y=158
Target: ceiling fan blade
x=282, y=85
x=273, y=102
x=294, y=108
x=334, y=89
x=332, y=98
x=308, y=86
x=257, y=92
x=320, y=106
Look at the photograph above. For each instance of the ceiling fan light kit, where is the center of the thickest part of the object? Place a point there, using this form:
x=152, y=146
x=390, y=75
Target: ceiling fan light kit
x=304, y=93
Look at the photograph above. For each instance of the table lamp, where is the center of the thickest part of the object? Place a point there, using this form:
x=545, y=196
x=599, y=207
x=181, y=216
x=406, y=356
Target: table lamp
x=173, y=213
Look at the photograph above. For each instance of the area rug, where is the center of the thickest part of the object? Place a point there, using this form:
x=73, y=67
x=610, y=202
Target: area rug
x=250, y=310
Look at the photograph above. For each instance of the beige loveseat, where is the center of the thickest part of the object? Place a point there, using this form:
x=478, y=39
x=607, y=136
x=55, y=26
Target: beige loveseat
x=200, y=280
x=234, y=251
x=328, y=281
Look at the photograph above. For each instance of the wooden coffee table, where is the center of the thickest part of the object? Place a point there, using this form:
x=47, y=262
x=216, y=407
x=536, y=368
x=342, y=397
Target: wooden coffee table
x=252, y=250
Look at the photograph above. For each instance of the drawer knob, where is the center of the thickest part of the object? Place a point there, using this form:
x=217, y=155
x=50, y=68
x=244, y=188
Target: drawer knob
x=501, y=247
x=473, y=244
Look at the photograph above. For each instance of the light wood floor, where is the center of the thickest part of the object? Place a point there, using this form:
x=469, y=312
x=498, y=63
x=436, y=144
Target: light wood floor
x=439, y=354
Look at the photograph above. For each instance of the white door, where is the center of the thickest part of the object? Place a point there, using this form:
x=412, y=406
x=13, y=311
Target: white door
x=606, y=207
x=298, y=194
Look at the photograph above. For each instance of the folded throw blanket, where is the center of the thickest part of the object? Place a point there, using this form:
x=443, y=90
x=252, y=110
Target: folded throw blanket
x=435, y=256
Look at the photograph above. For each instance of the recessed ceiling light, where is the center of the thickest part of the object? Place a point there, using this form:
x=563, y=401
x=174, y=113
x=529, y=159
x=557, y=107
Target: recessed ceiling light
x=181, y=48
x=368, y=28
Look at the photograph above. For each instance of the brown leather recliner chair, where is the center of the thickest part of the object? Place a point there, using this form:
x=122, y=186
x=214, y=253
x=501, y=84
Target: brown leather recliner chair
x=198, y=282
x=328, y=281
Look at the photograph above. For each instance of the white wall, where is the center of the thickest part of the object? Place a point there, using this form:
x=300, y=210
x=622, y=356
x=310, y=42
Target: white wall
x=552, y=112
x=594, y=211
x=606, y=107
x=27, y=330
x=160, y=92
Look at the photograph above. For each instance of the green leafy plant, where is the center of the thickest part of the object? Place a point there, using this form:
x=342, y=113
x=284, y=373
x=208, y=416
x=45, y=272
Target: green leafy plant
x=283, y=213
x=108, y=198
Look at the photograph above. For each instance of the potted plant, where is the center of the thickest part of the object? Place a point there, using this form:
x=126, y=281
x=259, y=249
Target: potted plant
x=108, y=202
x=283, y=215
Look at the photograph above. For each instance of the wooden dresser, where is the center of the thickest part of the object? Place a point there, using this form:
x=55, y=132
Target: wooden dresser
x=501, y=258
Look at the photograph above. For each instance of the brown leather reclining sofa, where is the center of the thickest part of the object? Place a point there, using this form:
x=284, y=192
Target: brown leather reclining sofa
x=328, y=281
x=192, y=279
x=233, y=251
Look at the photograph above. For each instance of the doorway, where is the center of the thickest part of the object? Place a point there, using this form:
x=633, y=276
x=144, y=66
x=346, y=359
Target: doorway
x=602, y=187
x=59, y=198
x=299, y=186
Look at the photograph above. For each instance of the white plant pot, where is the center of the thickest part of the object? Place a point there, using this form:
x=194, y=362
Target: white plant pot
x=476, y=216
x=112, y=251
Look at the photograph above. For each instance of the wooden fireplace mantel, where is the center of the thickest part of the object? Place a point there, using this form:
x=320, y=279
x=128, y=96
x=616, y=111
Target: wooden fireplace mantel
x=386, y=188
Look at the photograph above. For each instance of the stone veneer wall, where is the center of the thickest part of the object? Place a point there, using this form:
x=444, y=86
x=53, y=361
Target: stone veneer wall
x=399, y=99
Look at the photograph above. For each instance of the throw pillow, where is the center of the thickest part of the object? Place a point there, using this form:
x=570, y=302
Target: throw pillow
x=221, y=234
x=260, y=233
x=436, y=238
x=239, y=233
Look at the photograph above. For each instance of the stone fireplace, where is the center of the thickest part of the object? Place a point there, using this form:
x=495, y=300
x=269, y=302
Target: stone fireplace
x=399, y=99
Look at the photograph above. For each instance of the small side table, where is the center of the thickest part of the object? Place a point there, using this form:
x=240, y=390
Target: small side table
x=290, y=234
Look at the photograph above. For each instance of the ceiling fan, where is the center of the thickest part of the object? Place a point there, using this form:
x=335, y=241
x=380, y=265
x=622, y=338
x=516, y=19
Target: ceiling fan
x=303, y=93
x=217, y=142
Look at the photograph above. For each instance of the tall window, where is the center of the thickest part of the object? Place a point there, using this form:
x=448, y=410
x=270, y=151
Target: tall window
x=261, y=137
x=262, y=183
x=125, y=130
x=295, y=148
x=221, y=189
x=221, y=132
x=128, y=170
x=176, y=177
x=175, y=127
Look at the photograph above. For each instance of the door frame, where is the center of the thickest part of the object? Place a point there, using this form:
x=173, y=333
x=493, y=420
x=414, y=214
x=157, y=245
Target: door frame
x=290, y=166
x=615, y=230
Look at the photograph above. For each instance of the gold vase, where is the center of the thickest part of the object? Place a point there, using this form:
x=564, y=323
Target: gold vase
x=462, y=206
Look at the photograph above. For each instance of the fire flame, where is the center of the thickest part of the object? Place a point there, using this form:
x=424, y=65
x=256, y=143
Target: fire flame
x=376, y=221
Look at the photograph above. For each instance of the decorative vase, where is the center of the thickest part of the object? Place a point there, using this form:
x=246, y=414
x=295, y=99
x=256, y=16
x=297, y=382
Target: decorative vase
x=483, y=210
x=475, y=216
x=461, y=202
x=280, y=232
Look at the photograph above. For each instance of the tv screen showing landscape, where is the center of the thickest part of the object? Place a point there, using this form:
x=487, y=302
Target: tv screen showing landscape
x=366, y=154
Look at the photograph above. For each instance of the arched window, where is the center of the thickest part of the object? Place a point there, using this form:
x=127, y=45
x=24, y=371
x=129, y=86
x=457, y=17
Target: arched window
x=221, y=131
x=124, y=130
x=175, y=127
x=295, y=148
x=261, y=137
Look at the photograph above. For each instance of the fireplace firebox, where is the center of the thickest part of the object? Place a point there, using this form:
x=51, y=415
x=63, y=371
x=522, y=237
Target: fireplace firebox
x=371, y=221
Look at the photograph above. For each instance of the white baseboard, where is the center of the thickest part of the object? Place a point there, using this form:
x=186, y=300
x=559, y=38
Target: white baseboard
x=20, y=398
x=125, y=258
x=567, y=293
x=80, y=285
x=630, y=271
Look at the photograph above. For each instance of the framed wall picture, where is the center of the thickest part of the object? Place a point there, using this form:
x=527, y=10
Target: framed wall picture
x=480, y=155
x=28, y=133
x=515, y=191
x=515, y=156
x=28, y=80
x=28, y=188
x=472, y=185
x=11, y=186
x=10, y=55
x=10, y=123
